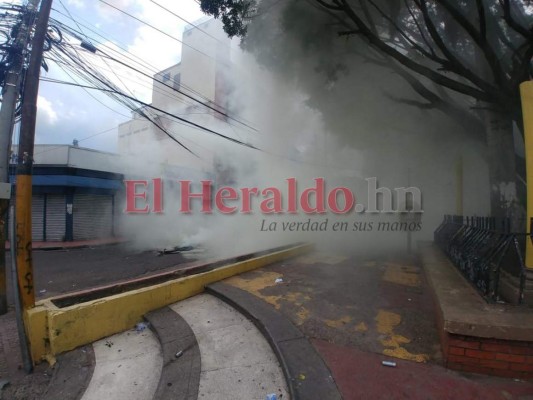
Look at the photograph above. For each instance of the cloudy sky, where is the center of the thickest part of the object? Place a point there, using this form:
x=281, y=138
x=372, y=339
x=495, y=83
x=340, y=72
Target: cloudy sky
x=66, y=112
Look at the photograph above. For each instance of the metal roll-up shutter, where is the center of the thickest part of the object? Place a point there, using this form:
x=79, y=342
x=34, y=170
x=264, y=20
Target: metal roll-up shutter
x=55, y=217
x=93, y=216
x=37, y=217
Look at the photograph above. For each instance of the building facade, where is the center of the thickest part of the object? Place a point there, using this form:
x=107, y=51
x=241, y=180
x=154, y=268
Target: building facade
x=75, y=193
x=194, y=89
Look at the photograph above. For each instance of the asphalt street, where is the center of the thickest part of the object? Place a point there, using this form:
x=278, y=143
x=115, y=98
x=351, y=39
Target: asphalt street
x=61, y=271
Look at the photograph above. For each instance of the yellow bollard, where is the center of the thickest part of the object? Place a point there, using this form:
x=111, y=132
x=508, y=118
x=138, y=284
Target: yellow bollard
x=526, y=92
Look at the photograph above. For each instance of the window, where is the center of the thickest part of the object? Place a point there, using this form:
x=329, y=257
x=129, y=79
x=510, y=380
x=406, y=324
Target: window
x=177, y=81
x=166, y=77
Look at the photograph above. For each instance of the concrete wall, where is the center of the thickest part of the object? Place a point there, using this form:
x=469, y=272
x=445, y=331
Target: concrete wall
x=165, y=86
x=76, y=157
x=201, y=56
x=200, y=75
x=94, y=160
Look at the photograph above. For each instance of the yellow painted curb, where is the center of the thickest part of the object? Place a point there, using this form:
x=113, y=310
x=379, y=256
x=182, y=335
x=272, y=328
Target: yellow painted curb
x=53, y=330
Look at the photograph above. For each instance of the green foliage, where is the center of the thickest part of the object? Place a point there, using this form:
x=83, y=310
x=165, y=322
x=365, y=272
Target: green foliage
x=481, y=49
x=234, y=14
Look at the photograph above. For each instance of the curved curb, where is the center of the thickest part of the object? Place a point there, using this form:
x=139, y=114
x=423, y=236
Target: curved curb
x=180, y=376
x=308, y=377
x=60, y=324
x=72, y=374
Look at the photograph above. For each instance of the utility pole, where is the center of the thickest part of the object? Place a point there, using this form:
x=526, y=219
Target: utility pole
x=10, y=97
x=25, y=160
x=526, y=92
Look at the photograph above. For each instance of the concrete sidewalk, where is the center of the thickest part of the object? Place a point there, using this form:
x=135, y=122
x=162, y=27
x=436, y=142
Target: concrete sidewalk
x=359, y=312
x=355, y=312
x=20, y=385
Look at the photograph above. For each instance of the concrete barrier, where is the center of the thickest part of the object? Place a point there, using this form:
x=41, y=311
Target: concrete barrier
x=53, y=329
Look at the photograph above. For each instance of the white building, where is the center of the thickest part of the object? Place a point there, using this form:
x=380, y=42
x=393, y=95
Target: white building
x=193, y=90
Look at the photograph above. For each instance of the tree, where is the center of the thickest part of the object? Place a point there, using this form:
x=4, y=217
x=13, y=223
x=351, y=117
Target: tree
x=480, y=49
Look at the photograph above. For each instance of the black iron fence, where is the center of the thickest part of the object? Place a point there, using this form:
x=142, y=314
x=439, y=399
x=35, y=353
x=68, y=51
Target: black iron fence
x=483, y=250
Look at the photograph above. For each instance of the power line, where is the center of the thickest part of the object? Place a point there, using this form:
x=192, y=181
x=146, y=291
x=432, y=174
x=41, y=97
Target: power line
x=80, y=140
x=195, y=126
x=91, y=75
x=125, y=50
x=188, y=22
x=97, y=100
x=156, y=109
x=157, y=29
x=181, y=92
x=68, y=12
x=215, y=107
x=143, y=63
x=143, y=84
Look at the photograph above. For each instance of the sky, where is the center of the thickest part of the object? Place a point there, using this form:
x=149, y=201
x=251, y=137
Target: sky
x=65, y=112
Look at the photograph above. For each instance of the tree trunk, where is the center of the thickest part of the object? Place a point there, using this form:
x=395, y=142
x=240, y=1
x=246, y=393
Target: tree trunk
x=504, y=200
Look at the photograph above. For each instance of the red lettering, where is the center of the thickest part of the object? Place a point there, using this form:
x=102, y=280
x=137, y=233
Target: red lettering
x=157, y=207
x=187, y=196
x=220, y=197
x=273, y=204
x=318, y=191
x=132, y=196
x=349, y=200
x=292, y=206
x=247, y=199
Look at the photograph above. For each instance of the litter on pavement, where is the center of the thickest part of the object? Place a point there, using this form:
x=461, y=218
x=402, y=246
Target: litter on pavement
x=388, y=363
x=141, y=326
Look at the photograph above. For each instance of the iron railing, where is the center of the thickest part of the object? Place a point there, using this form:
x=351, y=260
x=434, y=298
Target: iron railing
x=482, y=252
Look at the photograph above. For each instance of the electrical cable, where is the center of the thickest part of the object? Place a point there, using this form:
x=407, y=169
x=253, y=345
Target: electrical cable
x=217, y=109
x=153, y=27
x=156, y=109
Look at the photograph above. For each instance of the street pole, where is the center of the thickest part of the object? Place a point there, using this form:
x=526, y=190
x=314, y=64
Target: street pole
x=25, y=160
x=10, y=97
x=526, y=92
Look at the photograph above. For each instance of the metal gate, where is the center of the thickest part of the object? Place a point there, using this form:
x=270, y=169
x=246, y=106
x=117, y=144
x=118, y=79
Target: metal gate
x=55, y=217
x=93, y=216
x=37, y=218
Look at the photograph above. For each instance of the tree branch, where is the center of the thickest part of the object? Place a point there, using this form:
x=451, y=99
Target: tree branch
x=410, y=102
x=488, y=51
x=506, y=7
x=348, y=33
x=368, y=16
x=328, y=6
x=521, y=72
x=482, y=22
x=473, y=125
x=416, y=46
x=412, y=65
x=455, y=64
x=422, y=35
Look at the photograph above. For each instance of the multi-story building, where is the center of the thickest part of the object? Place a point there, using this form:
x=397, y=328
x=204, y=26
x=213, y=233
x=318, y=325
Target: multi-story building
x=193, y=89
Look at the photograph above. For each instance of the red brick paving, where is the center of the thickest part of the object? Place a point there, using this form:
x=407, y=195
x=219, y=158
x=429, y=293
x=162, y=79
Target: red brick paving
x=360, y=375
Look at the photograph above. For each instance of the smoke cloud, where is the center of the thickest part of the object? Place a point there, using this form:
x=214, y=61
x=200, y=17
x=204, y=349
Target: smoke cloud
x=323, y=106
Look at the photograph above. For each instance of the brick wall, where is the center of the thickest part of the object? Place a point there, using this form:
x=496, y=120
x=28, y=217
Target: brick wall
x=506, y=358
